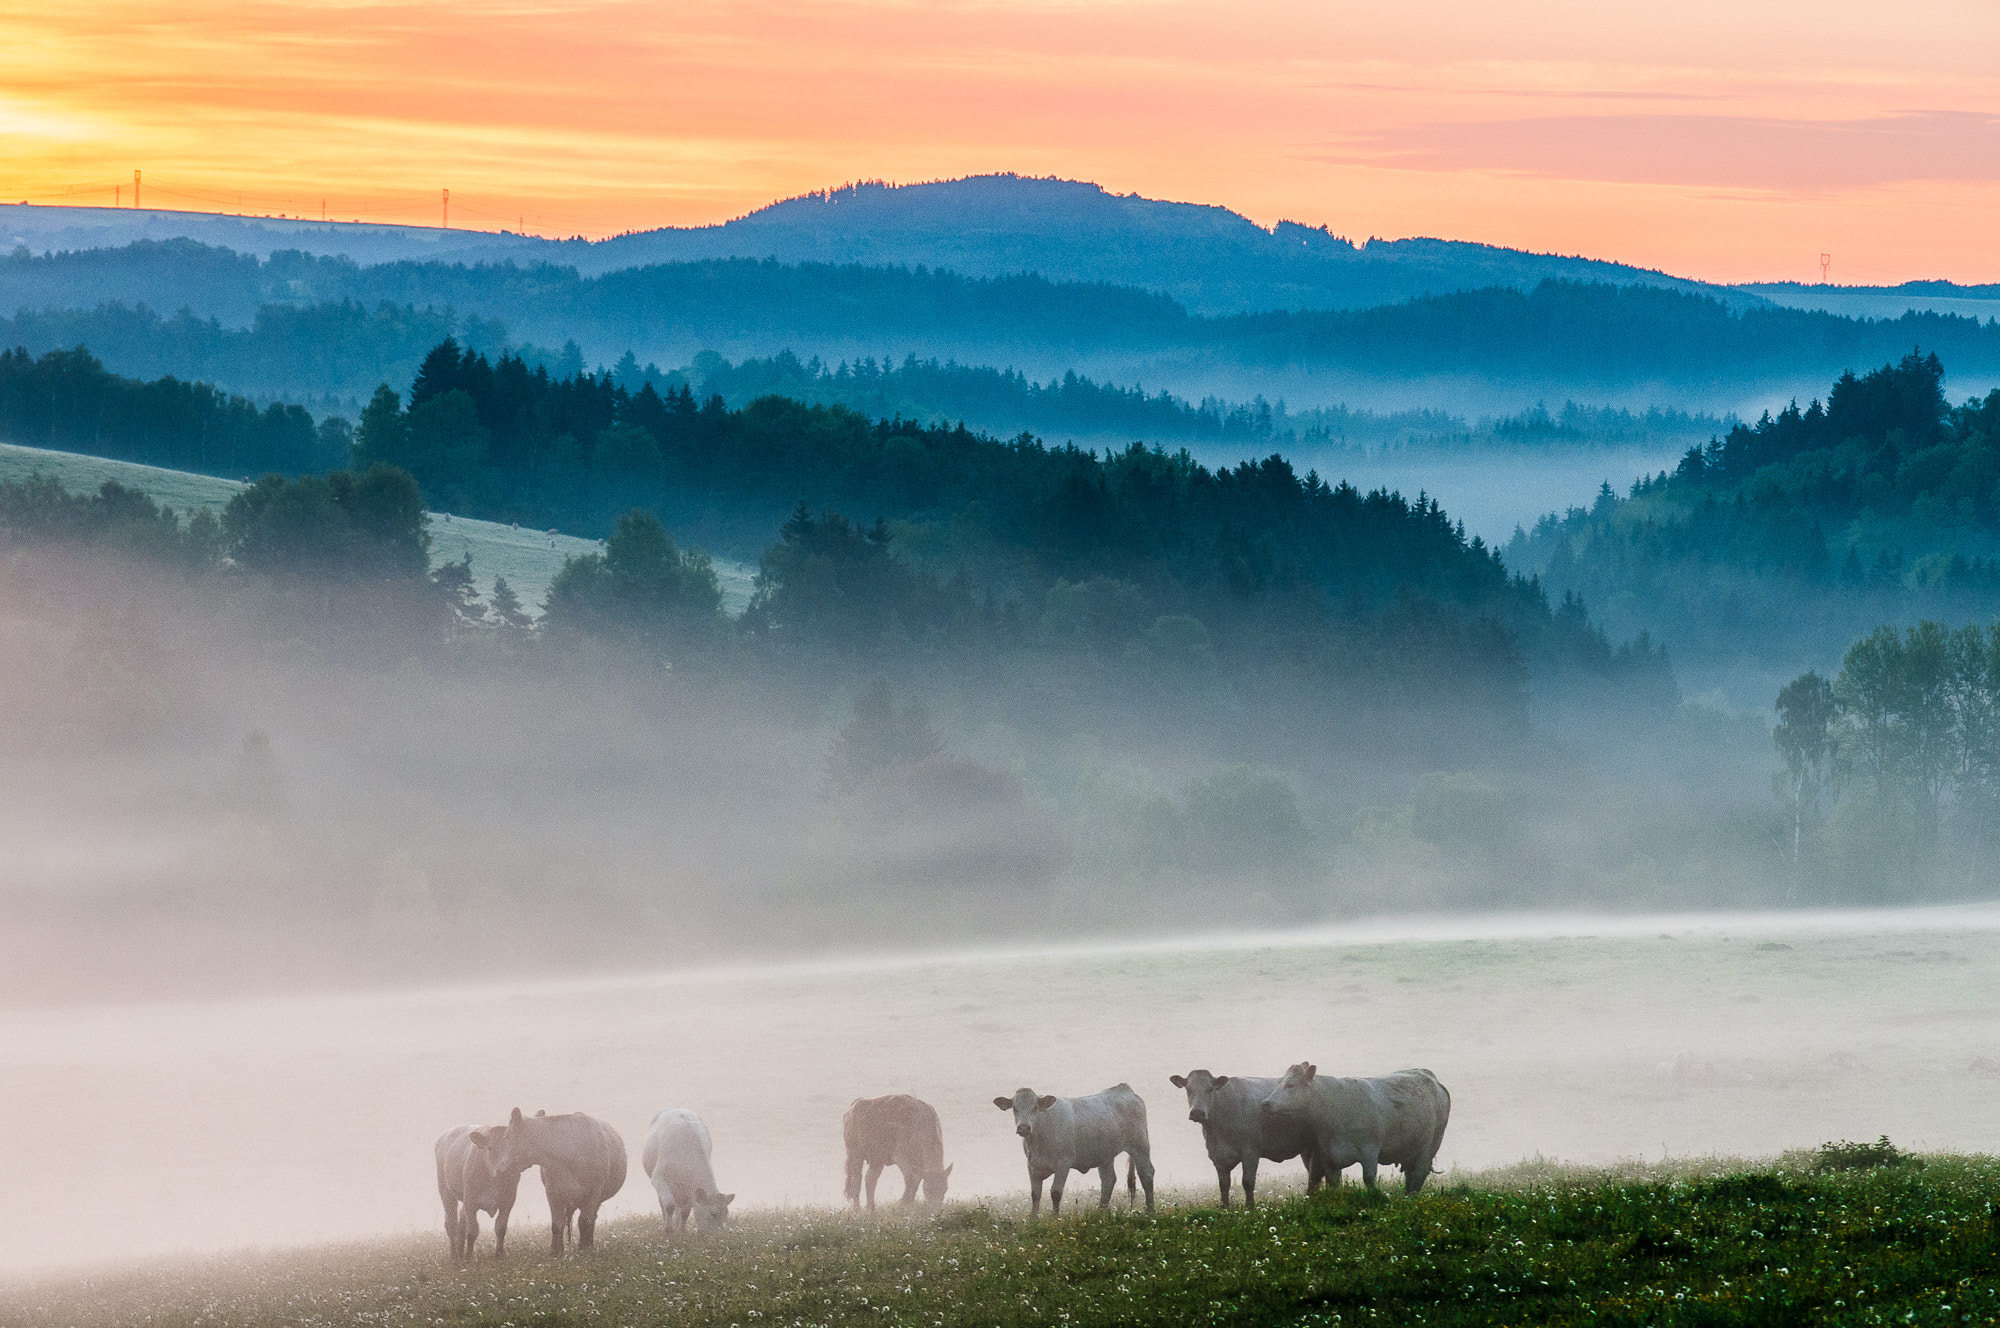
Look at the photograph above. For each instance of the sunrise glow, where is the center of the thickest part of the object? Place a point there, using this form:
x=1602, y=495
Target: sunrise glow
x=1724, y=141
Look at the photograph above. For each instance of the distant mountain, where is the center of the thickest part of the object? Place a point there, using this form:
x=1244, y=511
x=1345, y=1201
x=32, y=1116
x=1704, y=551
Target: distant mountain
x=1211, y=260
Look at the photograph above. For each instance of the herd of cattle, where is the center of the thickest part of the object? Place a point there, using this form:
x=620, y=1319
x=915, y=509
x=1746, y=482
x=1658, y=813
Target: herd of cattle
x=1329, y=1122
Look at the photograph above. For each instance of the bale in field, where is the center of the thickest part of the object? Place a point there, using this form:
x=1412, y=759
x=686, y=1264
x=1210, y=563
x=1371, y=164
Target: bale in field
x=469, y=1184
x=1238, y=1132
x=676, y=1156
x=895, y=1131
x=1398, y=1118
x=582, y=1161
x=1065, y=1134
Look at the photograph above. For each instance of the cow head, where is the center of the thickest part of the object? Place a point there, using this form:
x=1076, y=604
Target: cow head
x=711, y=1211
x=514, y=1147
x=1027, y=1107
x=1294, y=1091
x=1200, y=1086
x=935, y=1183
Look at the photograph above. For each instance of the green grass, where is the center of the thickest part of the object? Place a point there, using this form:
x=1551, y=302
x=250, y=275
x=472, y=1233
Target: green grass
x=1889, y=1245
x=529, y=559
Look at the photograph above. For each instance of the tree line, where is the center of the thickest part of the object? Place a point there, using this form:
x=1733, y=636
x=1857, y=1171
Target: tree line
x=1138, y=567
x=1892, y=767
x=68, y=401
x=1580, y=332
x=1792, y=535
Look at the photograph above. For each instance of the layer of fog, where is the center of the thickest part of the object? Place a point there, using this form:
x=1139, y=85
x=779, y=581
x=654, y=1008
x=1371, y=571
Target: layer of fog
x=268, y=1122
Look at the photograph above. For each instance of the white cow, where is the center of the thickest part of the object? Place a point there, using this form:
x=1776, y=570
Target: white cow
x=1065, y=1134
x=1398, y=1118
x=1238, y=1132
x=676, y=1156
x=582, y=1161
x=469, y=1185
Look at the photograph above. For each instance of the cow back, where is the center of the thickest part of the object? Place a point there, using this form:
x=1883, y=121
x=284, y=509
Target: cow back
x=584, y=1158
x=897, y=1130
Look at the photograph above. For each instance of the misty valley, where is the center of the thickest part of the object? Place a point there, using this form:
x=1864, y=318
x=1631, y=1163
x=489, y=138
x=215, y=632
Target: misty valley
x=973, y=663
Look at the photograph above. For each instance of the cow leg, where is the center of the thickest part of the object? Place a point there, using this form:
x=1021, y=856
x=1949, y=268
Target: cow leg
x=1055, y=1193
x=853, y=1187
x=1250, y=1181
x=874, y=1174
x=558, y=1228
x=586, y=1226
x=451, y=1228
x=1414, y=1176
x=1144, y=1162
x=911, y=1179
x=1107, y=1181
x=500, y=1228
x=468, y=1232
x=1371, y=1158
x=1034, y=1196
x=1222, y=1181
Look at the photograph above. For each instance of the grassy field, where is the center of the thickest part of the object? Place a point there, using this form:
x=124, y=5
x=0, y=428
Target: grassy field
x=528, y=559
x=1783, y=1245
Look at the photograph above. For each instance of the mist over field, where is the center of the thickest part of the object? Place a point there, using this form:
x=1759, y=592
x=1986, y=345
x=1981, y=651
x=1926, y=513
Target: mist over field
x=670, y=672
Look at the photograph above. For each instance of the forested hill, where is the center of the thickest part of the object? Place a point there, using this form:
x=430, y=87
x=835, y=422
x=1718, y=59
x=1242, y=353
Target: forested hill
x=1784, y=540
x=956, y=544
x=322, y=327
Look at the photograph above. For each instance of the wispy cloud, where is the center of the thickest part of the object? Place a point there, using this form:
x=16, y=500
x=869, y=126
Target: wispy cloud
x=1736, y=152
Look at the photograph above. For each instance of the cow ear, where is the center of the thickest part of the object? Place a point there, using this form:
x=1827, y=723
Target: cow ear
x=1311, y=1070
x=478, y=1138
x=515, y=1119
x=1046, y=1101
x=727, y=1198
x=1221, y=1079
x=700, y=1194
x=947, y=1172
x=541, y=1112
x=1004, y=1103
x=1177, y=1081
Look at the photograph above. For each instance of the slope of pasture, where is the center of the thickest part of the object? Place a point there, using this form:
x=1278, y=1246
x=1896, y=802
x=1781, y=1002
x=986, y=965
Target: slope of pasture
x=285, y=1121
x=528, y=559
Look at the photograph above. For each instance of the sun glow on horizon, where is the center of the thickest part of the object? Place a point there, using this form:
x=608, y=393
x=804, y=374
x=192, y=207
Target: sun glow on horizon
x=1710, y=142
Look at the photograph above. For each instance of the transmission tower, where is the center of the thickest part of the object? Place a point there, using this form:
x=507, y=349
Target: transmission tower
x=1825, y=262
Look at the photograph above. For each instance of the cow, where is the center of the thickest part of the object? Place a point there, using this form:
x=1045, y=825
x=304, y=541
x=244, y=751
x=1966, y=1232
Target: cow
x=895, y=1131
x=676, y=1157
x=582, y=1161
x=1065, y=1134
x=469, y=1185
x=1228, y=1107
x=1398, y=1118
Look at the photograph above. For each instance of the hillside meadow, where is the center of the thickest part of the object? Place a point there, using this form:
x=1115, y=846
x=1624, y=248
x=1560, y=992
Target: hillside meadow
x=528, y=559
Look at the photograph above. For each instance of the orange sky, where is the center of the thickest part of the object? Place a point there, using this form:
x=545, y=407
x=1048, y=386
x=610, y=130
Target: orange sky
x=1731, y=141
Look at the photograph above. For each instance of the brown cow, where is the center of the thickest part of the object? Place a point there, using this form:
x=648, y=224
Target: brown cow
x=899, y=1131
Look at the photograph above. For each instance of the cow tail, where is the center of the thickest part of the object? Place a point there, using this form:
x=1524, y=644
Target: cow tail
x=1131, y=1175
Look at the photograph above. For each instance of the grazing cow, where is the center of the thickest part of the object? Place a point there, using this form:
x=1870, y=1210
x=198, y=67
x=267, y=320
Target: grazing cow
x=1398, y=1118
x=1228, y=1107
x=895, y=1131
x=469, y=1185
x=582, y=1161
x=1065, y=1134
x=676, y=1157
